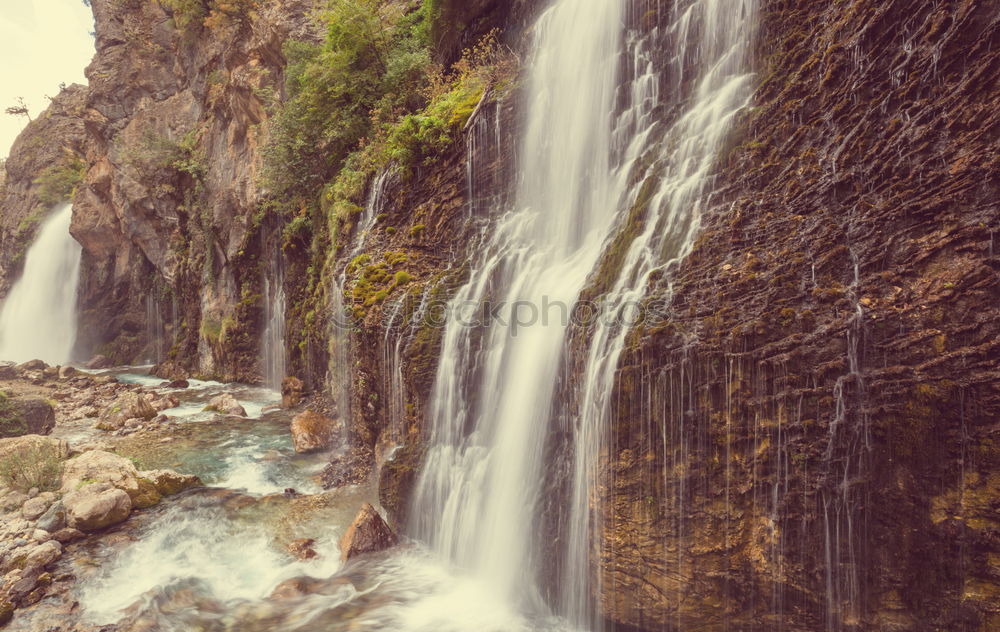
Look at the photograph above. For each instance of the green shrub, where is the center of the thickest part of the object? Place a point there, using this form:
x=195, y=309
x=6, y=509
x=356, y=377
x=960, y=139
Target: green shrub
x=58, y=182
x=36, y=465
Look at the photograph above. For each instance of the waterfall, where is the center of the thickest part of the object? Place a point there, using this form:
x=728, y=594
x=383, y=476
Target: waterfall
x=155, y=330
x=273, y=347
x=712, y=39
x=341, y=317
x=493, y=394
x=38, y=319
x=597, y=165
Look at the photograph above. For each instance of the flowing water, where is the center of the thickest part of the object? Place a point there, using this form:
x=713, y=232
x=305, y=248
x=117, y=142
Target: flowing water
x=591, y=136
x=38, y=318
x=273, y=347
x=712, y=39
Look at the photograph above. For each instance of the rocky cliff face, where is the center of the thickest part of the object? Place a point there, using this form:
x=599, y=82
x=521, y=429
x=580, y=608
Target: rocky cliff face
x=166, y=213
x=808, y=439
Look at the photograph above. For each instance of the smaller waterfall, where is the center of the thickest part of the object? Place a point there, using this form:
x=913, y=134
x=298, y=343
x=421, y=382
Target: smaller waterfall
x=155, y=330
x=38, y=319
x=341, y=317
x=273, y=348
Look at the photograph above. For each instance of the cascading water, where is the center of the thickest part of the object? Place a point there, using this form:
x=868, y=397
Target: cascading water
x=38, y=319
x=155, y=330
x=477, y=494
x=273, y=348
x=341, y=321
x=711, y=39
x=593, y=149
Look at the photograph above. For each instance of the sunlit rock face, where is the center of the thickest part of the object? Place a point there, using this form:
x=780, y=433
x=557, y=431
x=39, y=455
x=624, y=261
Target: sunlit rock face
x=174, y=116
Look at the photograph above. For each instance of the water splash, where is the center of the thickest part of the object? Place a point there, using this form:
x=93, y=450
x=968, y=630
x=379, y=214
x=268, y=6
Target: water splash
x=38, y=319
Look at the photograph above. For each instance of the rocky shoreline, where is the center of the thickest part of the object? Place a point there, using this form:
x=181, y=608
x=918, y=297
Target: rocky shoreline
x=72, y=485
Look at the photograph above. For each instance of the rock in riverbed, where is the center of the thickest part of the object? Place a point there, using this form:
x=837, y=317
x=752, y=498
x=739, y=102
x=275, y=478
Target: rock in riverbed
x=368, y=533
x=312, y=431
x=226, y=404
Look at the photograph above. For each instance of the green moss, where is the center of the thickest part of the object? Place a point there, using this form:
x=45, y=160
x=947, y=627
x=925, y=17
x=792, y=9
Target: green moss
x=11, y=422
x=403, y=278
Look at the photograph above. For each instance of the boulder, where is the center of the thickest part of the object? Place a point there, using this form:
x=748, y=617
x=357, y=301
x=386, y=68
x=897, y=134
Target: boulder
x=178, y=384
x=291, y=392
x=226, y=404
x=67, y=534
x=50, y=372
x=98, y=362
x=33, y=508
x=368, y=533
x=32, y=365
x=163, y=403
x=169, y=482
x=43, y=554
x=98, y=466
x=312, y=431
x=54, y=517
x=8, y=370
x=29, y=415
x=96, y=506
x=128, y=405
x=67, y=372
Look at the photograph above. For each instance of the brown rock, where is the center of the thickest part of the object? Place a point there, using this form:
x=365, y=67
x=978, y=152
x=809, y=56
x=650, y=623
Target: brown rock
x=32, y=365
x=128, y=405
x=33, y=416
x=312, y=431
x=291, y=392
x=369, y=533
x=67, y=535
x=98, y=362
x=96, y=506
x=169, y=482
x=303, y=549
x=226, y=404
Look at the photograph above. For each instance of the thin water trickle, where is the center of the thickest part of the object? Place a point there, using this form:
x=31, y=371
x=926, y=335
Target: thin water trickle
x=275, y=304
x=38, y=319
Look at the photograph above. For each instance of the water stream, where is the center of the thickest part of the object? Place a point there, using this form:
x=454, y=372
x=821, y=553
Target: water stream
x=38, y=318
x=592, y=151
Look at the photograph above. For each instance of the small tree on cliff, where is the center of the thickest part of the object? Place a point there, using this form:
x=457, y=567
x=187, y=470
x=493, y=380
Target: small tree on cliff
x=21, y=109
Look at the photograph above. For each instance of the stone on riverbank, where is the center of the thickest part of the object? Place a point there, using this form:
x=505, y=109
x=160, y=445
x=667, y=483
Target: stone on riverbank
x=96, y=506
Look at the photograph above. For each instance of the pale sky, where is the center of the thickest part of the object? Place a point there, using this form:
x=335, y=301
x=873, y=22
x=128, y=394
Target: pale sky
x=42, y=43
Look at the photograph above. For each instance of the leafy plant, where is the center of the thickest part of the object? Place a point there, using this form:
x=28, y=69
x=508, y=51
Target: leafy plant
x=58, y=182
